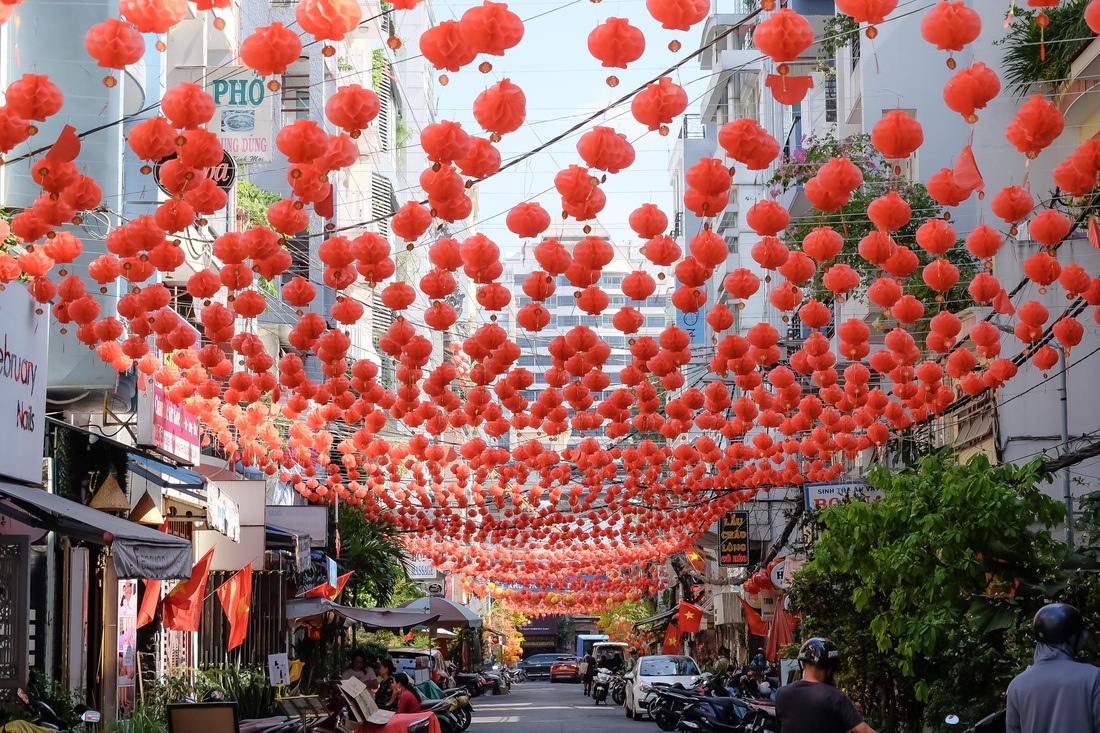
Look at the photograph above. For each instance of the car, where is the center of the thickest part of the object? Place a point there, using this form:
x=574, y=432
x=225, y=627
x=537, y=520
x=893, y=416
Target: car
x=568, y=667
x=538, y=665
x=667, y=669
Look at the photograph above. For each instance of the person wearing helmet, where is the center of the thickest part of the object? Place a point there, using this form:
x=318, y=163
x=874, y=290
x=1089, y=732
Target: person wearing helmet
x=1056, y=693
x=814, y=704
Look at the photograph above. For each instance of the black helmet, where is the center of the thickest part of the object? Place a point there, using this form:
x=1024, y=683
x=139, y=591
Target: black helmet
x=819, y=652
x=1060, y=623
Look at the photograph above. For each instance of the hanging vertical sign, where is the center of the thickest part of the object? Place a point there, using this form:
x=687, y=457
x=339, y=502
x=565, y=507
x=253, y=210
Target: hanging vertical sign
x=127, y=645
x=242, y=118
x=733, y=539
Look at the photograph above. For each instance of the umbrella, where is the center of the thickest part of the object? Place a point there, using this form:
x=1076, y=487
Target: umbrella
x=376, y=618
x=451, y=615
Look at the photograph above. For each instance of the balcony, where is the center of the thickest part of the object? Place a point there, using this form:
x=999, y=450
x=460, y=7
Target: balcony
x=1077, y=98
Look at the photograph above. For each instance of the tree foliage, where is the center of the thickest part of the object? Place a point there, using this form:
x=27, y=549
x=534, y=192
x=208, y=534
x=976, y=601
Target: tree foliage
x=618, y=619
x=1036, y=56
x=372, y=550
x=933, y=585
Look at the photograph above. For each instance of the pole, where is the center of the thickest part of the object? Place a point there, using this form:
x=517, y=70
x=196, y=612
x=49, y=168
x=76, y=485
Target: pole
x=1067, y=493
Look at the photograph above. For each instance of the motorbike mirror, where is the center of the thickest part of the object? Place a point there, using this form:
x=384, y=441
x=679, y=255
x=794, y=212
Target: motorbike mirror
x=952, y=720
x=90, y=716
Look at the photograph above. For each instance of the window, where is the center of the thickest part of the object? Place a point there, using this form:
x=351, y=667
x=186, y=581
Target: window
x=299, y=257
x=296, y=91
x=830, y=95
x=668, y=667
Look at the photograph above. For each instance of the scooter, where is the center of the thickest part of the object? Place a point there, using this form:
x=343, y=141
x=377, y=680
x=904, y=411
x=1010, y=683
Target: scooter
x=618, y=690
x=761, y=717
x=669, y=702
x=463, y=710
x=43, y=716
x=715, y=715
x=601, y=685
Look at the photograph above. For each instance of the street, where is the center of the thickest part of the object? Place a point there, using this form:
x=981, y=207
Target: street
x=540, y=707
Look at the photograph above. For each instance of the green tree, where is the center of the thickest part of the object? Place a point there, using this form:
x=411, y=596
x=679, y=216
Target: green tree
x=617, y=620
x=255, y=202
x=930, y=590
x=372, y=550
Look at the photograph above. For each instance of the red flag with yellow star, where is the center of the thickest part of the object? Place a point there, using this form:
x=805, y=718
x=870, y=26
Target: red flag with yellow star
x=671, y=643
x=236, y=597
x=688, y=618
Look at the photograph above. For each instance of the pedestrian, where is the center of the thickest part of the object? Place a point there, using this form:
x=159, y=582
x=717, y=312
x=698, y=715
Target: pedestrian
x=360, y=670
x=722, y=663
x=1056, y=693
x=814, y=704
x=589, y=672
x=387, y=694
x=407, y=700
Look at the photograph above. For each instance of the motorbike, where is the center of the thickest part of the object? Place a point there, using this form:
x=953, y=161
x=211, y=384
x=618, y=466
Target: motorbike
x=463, y=710
x=43, y=716
x=601, y=685
x=994, y=723
x=618, y=689
x=515, y=676
x=668, y=703
x=444, y=711
x=761, y=717
x=474, y=683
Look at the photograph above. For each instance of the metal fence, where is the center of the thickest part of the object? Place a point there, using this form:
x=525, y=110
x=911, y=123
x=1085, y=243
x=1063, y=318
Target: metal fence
x=267, y=627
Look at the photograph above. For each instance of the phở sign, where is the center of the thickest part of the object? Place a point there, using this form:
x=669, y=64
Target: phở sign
x=242, y=119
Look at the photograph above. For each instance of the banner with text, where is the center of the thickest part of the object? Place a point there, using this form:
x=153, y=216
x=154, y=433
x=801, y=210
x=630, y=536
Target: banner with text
x=24, y=350
x=242, y=120
x=733, y=540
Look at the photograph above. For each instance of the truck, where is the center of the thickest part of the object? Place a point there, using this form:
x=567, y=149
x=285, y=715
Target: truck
x=585, y=642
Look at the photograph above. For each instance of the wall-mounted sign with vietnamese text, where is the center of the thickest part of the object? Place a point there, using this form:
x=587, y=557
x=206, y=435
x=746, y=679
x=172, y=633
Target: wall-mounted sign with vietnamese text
x=223, y=174
x=167, y=427
x=24, y=350
x=733, y=540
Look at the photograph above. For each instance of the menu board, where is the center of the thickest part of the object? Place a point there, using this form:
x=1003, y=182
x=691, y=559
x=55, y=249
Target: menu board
x=733, y=540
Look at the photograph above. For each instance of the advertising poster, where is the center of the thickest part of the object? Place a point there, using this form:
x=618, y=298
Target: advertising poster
x=127, y=644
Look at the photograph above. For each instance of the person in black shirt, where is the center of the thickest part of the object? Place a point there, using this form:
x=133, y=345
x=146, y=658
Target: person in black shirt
x=814, y=704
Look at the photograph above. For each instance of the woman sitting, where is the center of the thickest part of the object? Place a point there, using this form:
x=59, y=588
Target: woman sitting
x=407, y=700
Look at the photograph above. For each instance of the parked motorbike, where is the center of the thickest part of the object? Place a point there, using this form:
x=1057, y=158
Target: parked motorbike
x=761, y=717
x=43, y=716
x=618, y=689
x=473, y=682
x=668, y=703
x=444, y=711
x=463, y=710
x=994, y=723
x=515, y=676
x=601, y=685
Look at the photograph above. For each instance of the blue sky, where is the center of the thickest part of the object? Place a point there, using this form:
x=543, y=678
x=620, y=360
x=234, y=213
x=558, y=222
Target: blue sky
x=563, y=84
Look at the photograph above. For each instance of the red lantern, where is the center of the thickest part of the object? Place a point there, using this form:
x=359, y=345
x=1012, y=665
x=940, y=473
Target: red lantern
x=616, y=43
x=1036, y=125
x=709, y=177
x=823, y=244
x=831, y=187
x=1092, y=16
x=328, y=20
x=34, y=97
x=114, y=44
x=1013, y=204
x=871, y=12
x=971, y=88
x=936, y=236
x=187, y=106
x=482, y=161
x=745, y=141
x=678, y=15
x=444, y=48
x=13, y=129
x=352, y=108
x=940, y=275
x=200, y=149
x=271, y=49
x=741, y=284
x=949, y=26
x=897, y=135
x=491, y=28
x=527, y=220
x=783, y=36
x=648, y=221
x=840, y=279
x=890, y=212
x=770, y=253
x=153, y=16
x=303, y=141
x=1049, y=227
x=659, y=103
x=153, y=139
x=944, y=188
x=662, y=250
x=501, y=108
x=411, y=221
x=604, y=149
x=767, y=218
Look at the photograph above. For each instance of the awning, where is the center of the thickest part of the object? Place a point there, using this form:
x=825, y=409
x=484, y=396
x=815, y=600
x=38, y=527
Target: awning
x=175, y=482
x=138, y=551
x=376, y=618
x=662, y=616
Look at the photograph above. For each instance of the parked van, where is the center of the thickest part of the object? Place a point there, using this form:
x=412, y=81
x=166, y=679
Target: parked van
x=614, y=651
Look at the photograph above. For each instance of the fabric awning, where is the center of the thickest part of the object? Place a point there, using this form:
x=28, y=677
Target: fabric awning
x=138, y=551
x=451, y=614
x=377, y=618
x=662, y=616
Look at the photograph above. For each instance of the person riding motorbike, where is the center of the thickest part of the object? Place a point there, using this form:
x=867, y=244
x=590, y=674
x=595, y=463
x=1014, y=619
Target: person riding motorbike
x=1056, y=693
x=814, y=704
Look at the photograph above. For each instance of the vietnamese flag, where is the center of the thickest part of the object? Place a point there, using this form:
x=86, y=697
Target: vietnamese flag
x=183, y=606
x=671, y=643
x=688, y=618
x=236, y=597
x=757, y=625
x=324, y=590
x=151, y=598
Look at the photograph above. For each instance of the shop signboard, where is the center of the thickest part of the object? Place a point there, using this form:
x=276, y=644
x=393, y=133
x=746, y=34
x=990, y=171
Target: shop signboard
x=223, y=515
x=243, y=112
x=420, y=568
x=733, y=540
x=820, y=496
x=24, y=351
x=166, y=427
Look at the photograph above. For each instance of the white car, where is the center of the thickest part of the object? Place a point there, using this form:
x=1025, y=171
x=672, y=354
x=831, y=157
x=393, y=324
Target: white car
x=669, y=669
